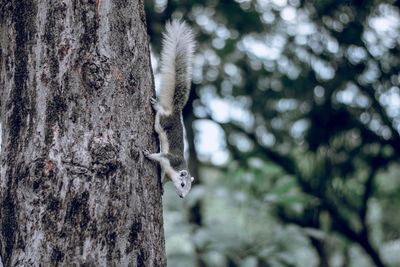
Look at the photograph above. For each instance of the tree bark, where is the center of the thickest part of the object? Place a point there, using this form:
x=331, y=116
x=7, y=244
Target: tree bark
x=75, y=83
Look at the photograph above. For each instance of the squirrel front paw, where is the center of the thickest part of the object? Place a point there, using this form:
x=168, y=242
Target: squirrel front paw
x=146, y=153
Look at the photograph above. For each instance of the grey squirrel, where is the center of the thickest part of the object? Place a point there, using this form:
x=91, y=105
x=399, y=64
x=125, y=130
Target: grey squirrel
x=176, y=70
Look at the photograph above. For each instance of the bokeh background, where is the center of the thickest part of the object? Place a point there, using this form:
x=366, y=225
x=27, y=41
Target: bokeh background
x=293, y=130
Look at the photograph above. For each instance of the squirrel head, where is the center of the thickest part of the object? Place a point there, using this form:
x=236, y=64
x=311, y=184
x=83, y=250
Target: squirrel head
x=183, y=183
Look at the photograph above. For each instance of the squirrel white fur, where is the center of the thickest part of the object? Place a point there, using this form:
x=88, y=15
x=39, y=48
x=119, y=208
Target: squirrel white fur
x=176, y=70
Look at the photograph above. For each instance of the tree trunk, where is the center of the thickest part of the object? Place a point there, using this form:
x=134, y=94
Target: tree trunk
x=75, y=84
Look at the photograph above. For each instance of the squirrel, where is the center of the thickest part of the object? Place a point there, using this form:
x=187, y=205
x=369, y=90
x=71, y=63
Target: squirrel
x=176, y=71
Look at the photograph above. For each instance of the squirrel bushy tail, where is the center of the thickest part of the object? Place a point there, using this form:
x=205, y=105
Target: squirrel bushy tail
x=176, y=65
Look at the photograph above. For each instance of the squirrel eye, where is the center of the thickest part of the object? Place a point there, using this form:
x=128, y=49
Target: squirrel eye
x=183, y=173
x=183, y=184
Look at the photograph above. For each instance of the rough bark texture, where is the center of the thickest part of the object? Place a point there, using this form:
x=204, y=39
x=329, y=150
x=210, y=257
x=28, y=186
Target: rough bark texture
x=75, y=84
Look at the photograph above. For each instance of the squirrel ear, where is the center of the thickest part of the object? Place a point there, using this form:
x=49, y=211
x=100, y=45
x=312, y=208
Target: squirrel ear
x=191, y=179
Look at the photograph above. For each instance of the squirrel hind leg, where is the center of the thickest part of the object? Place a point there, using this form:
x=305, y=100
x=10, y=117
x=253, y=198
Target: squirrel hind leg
x=156, y=105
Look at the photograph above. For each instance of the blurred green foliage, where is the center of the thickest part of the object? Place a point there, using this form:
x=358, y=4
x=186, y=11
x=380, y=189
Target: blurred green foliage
x=305, y=96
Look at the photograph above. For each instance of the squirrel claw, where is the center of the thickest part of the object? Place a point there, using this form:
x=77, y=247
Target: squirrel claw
x=146, y=153
x=153, y=101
